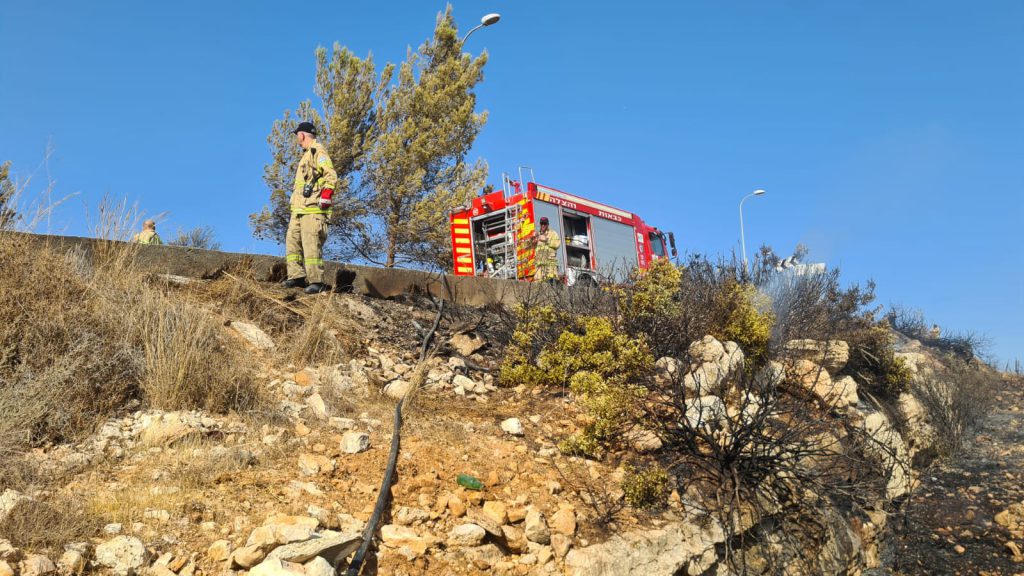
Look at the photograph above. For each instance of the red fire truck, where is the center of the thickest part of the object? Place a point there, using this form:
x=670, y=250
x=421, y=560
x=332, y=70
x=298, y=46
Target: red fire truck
x=494, y=236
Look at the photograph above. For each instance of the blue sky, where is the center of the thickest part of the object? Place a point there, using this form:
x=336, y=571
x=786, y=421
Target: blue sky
x=888, y=134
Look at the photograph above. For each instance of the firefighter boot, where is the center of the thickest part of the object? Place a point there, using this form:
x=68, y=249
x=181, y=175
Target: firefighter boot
x=294, y=283
x=316, y=288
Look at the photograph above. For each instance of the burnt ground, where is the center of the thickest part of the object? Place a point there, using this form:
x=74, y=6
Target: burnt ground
x=948, y=525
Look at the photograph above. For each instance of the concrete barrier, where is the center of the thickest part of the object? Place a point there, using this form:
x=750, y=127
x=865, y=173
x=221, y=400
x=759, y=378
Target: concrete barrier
x=366, y=280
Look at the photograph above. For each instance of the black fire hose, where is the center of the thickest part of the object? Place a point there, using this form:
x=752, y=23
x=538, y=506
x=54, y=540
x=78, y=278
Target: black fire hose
x=389, y=473
x=382, y=499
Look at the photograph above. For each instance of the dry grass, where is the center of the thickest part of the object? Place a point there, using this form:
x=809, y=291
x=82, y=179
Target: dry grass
x=83, y=334
x=49, y=525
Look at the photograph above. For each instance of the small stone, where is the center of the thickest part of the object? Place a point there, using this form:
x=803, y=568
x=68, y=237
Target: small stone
x=306, y=377
x=72, y=562
x=248, y=556
x=395, y=536
x=397, y=389
x=277, y=568
x=122, y=555
x=564, y=521
x=407, y=516
x=456, y=506
x=536, y=527
x=468, y=384
x=301, y=430
x=496, y=511
x=355, y=442
x=113, y=528
x=560, y=544
x=516, y=514
x=317, y=406
x=258, y=338
x=959, y=549
x=1013, y=548
x=37, y=565
x=512, y=426
x=466, y=535
x=318, y=567
x=219, y=551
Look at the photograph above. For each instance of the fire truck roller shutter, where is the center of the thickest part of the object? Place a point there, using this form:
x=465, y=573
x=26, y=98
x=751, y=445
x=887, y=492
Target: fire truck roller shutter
x=615, y=248
x=542, y=209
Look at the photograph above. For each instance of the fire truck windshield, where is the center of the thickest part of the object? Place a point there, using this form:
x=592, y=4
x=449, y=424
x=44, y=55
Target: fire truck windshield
x=657, y=244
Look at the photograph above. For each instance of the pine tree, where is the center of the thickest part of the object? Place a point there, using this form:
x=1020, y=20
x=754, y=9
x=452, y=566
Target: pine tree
x=345, y=85
x=400, y=150
x=416, y=171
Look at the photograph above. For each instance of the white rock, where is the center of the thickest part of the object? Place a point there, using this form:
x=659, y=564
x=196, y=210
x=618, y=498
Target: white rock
x=466, y=383
x=397, y=389
x=395, y=536
x=512, y=426
x=317, y=406
x=706, y=412
x=277, y=568
x=847, y=388
x=37, y=565
x=355, y=442
x=8, y=500
x=318, y=567
x=889, y=449
x=71, y=562
x=468, y=343
x=407, y=516
x=258, y=338
x=686, y=547
x=326, y=544
x=466, y=535
x=123, y=555
x=667, y=369
x=832, y=354
x=707, y=349
x=536, y=527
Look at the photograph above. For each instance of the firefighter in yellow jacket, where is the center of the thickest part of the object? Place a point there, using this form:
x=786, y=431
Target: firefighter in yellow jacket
x=148, y=234
x=311, y=203
x=545, y=255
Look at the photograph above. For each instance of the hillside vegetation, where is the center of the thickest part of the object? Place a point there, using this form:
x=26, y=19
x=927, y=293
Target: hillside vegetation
x=695, y=419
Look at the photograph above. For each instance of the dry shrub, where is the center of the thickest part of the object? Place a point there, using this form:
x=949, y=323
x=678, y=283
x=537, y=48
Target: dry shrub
x=48, y=526
x=327, y=335
x=188, y=363
x=956, y=401
x=64, y=362
x=80, y=337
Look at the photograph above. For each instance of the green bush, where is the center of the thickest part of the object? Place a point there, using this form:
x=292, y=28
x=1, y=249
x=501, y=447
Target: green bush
x=748, y=321
x=604, y=368
x=646, y=488
x=518, y=366
x=873, y=361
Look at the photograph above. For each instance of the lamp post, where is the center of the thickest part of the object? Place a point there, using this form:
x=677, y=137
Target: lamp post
x=487, y=20
x=743, y=241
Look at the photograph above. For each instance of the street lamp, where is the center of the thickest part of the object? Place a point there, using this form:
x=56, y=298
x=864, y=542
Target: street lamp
x=743, y=241
x=487, y=20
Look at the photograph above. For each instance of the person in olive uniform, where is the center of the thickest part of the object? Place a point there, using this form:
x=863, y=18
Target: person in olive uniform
x=545, y=255
x=148, y=234
x=311, y=203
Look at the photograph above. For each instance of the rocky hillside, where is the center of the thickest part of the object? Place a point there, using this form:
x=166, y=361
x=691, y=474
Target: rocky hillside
x=275, y=464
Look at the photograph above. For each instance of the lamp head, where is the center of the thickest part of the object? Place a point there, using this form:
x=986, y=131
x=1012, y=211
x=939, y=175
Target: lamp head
x=758, y=192
x=489, y=19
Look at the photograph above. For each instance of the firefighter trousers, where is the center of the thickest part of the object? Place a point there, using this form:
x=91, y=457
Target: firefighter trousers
x=304, y=246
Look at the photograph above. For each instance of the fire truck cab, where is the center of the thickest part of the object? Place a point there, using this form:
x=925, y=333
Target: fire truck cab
x=495, y=235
